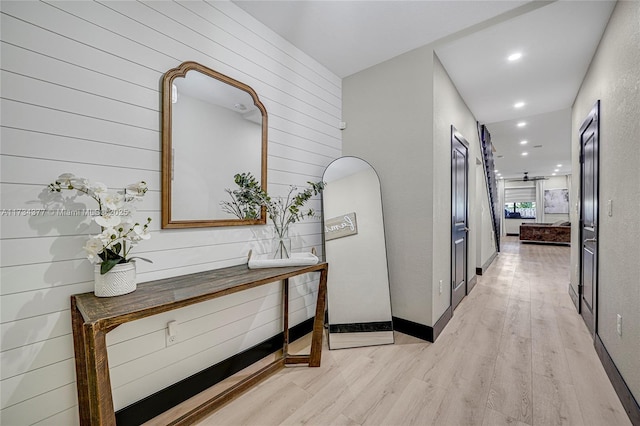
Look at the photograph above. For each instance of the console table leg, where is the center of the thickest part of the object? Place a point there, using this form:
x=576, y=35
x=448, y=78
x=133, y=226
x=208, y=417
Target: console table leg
x=285, y=316
x=99, y=382
x=318, y=322
x=81, y=366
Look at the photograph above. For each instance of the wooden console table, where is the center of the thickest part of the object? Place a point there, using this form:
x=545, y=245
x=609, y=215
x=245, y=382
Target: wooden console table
x=93, y=317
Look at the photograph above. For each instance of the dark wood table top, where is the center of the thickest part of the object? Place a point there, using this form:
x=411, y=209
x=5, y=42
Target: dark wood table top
x=153, y=297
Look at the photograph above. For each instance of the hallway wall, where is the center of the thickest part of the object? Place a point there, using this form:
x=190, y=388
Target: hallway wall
x=388, y=109
x=81, y=94
x=398, y=116
x=613, y=78
x=450, y=109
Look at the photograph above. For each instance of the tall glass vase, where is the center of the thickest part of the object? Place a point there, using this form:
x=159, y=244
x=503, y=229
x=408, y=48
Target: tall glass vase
x=281, y=245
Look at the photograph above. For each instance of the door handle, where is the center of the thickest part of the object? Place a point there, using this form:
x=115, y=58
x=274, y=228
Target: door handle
x=591, y=240
x=466, y=229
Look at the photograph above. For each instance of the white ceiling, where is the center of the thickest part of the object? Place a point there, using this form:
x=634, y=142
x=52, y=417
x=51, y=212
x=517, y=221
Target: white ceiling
x=557, y=40
x=349, y=36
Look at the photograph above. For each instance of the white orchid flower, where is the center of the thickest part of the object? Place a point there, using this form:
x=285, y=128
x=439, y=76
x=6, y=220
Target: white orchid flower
x=108, y=236
x=93, y=247
x=80, y=183
x=108, y=220
x=65, y=179
x=112, y=200
x=138, y=188
x=98, y=188
x=115, y=214
x=141, y=232
x=66, y=176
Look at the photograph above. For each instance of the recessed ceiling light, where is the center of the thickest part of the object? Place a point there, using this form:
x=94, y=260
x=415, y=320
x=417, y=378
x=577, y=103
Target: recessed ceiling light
x=496, y=170
x=521, y=124
x=523, y=142
x=518, y=104
x=514, y=56
x=553, y=174
x=559, y=165
x=501, y=177
x=525, y=153
x=556, y=170
x=499, y=174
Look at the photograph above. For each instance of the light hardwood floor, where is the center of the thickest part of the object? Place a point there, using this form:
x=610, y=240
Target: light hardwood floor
x=514, y=353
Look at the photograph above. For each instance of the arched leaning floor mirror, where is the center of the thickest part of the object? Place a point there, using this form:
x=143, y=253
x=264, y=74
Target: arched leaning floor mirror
x=358, y=298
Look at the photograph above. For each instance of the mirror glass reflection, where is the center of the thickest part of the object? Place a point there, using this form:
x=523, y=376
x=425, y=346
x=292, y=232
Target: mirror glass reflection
x=215, y=127
x=359, y=304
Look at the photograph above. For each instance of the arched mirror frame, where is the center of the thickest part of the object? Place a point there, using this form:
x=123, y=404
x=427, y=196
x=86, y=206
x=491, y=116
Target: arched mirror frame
x=167, y=148
x=350, y=323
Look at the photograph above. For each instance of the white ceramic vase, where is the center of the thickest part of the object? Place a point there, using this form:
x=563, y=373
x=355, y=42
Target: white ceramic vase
x=121, y=279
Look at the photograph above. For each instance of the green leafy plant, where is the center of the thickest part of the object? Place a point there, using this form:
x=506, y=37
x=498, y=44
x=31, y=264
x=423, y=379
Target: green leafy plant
x=246, y=201
x=249, y=198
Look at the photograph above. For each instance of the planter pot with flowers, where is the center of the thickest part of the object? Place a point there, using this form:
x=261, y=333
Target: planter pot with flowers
x=115, y=271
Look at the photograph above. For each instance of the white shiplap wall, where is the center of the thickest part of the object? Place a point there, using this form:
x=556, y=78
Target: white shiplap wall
x=81, y=93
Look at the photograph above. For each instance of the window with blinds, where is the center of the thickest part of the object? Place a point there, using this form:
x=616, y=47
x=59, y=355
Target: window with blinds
x=521, y=194
x=519, y=202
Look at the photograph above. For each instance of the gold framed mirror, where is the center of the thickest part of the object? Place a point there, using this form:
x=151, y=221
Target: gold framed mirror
x=212, y=128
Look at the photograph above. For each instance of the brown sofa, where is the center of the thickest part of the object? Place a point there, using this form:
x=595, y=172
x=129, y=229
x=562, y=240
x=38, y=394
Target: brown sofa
x=558, y=232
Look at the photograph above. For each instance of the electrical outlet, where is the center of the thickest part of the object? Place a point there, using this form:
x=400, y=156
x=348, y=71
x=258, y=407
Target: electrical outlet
x=171, y=336
x=619, y=325
x=440, y=286
x=610, y=208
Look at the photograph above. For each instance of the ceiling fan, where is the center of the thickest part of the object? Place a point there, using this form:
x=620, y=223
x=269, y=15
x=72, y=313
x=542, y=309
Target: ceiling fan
x=526, y=177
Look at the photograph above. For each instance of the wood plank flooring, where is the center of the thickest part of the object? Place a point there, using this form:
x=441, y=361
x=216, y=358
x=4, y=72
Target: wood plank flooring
x=515, y=353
